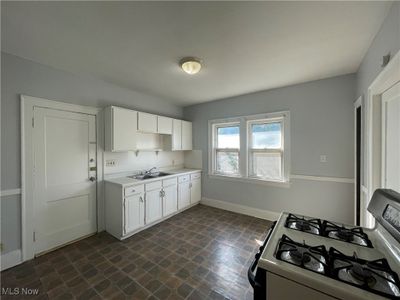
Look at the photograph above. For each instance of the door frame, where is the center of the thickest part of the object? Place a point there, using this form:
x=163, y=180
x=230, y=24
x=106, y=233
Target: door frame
x=388, y=77
x=27, y=164
x=357, y=104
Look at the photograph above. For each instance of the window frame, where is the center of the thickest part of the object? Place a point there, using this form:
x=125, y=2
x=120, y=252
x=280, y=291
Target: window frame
x=245, y=150
x=251, y=151
x=215, y=149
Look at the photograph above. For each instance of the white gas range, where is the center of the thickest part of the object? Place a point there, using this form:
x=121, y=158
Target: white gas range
x=308, y=258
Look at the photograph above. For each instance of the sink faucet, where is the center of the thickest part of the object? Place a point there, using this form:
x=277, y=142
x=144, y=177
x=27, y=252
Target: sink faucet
x=150, y=171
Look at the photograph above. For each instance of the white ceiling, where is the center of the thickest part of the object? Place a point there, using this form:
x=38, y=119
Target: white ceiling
x=245, y=46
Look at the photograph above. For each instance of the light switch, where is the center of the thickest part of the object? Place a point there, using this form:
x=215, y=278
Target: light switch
x=323, y=158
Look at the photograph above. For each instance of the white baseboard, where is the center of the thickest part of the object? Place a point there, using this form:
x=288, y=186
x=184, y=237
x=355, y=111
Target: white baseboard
x=241, y=209
x=11, y=259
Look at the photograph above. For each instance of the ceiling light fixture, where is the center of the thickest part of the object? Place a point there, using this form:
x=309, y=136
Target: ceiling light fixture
x=190, y=65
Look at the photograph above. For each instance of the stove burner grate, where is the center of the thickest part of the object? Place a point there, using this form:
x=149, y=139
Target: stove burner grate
x=374, y=276
x=354, y=235
x=302, y=255
x=300, y=223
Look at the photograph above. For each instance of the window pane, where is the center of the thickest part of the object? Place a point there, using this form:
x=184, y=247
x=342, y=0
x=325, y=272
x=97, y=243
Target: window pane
x=228, y=162
x=268, y=135
x=228, y=137
x=267, y=165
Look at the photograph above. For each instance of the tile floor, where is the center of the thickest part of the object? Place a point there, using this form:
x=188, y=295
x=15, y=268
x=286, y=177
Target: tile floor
x=202, y=253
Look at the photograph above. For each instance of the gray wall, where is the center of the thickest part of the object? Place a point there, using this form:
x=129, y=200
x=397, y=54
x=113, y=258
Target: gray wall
x=387, y=40
x=321, y=123
x=21, y=76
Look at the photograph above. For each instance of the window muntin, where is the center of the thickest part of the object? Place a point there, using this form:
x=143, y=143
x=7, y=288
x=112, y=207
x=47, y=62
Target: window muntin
x=227, y=148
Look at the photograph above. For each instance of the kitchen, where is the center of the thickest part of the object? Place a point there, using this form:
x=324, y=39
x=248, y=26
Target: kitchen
x=168, y=149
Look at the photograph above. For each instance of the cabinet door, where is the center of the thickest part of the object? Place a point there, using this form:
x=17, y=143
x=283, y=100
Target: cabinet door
x=164, y=125
x=177, y=135
x=147, y=122
x=133, y=213
x=153, y=206
x=187, y=135
x=195, y=191
x=183, y=195
x=124, y=128
x=170, y=199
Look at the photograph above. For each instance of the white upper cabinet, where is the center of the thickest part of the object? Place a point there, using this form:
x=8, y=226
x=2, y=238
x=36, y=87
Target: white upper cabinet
x=147, y=122
x=164, y=125
x=127, y=130
x=177, y=135
x=187, y=143
x=120, y=129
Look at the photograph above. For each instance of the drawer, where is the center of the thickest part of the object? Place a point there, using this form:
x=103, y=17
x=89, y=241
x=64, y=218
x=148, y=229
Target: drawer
x=195, y=176
x=183, y=178
x=136, y=189
x=153, y=186
x=170, y=181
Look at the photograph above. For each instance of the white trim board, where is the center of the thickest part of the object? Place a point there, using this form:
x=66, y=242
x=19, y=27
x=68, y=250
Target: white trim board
x=11, y=259
x=10, y=192
x=241, y=209
x=323, y=178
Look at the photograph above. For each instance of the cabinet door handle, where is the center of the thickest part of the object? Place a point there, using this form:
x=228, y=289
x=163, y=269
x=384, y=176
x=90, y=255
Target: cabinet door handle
x=141, y=199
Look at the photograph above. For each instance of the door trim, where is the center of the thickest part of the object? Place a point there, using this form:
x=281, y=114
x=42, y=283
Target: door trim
x=357, y=104
x=27, y=167
x=389, y=76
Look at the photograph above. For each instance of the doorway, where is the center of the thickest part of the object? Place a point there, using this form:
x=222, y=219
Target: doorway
x=358, y=154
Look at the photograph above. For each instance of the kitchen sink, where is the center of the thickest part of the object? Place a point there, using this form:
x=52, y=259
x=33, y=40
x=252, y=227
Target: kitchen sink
x=149, y=176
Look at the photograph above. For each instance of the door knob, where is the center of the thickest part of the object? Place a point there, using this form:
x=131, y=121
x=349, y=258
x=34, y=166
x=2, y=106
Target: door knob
x=92, y=179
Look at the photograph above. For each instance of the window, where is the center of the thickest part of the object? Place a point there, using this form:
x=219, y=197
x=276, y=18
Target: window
x=266, y=155
x=265, y=149
x=227, y=146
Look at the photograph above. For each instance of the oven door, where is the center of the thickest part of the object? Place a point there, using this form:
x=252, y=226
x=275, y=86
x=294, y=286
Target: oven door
x=257, y=276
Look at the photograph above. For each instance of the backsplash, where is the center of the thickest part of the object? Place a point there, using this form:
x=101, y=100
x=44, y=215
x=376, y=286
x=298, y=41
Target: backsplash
x=129, y=162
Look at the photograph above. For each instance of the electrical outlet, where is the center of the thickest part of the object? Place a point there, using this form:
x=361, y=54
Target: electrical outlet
x=110, y=163
x=323, y=158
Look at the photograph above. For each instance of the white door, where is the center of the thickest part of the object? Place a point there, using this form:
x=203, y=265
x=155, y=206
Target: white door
x=176, y=134
x=187, y=135
x=133, y=213
x=195, y=191
x=170, y=199
x=153, y=206
x=183, y=195
x=64, y=162
x=391, y=138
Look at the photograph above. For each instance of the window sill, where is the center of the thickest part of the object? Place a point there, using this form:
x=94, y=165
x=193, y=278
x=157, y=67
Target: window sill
x=285, y=184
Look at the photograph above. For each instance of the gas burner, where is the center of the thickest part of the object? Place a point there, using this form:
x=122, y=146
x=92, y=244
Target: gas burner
x=351, y=235
x=302, y=255
x=374, y=276
x=302, y=224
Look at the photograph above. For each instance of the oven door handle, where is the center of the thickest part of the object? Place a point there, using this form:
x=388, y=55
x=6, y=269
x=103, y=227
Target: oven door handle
x=250, y=272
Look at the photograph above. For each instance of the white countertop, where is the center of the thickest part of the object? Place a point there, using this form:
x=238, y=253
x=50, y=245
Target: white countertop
x=127, y=181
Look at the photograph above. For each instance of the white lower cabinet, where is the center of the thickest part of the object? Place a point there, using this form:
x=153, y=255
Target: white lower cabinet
x=131, y=208
x=170, y=199
x=153, y=205
x=133, y=213
x=183, y=194
x=195, y=191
